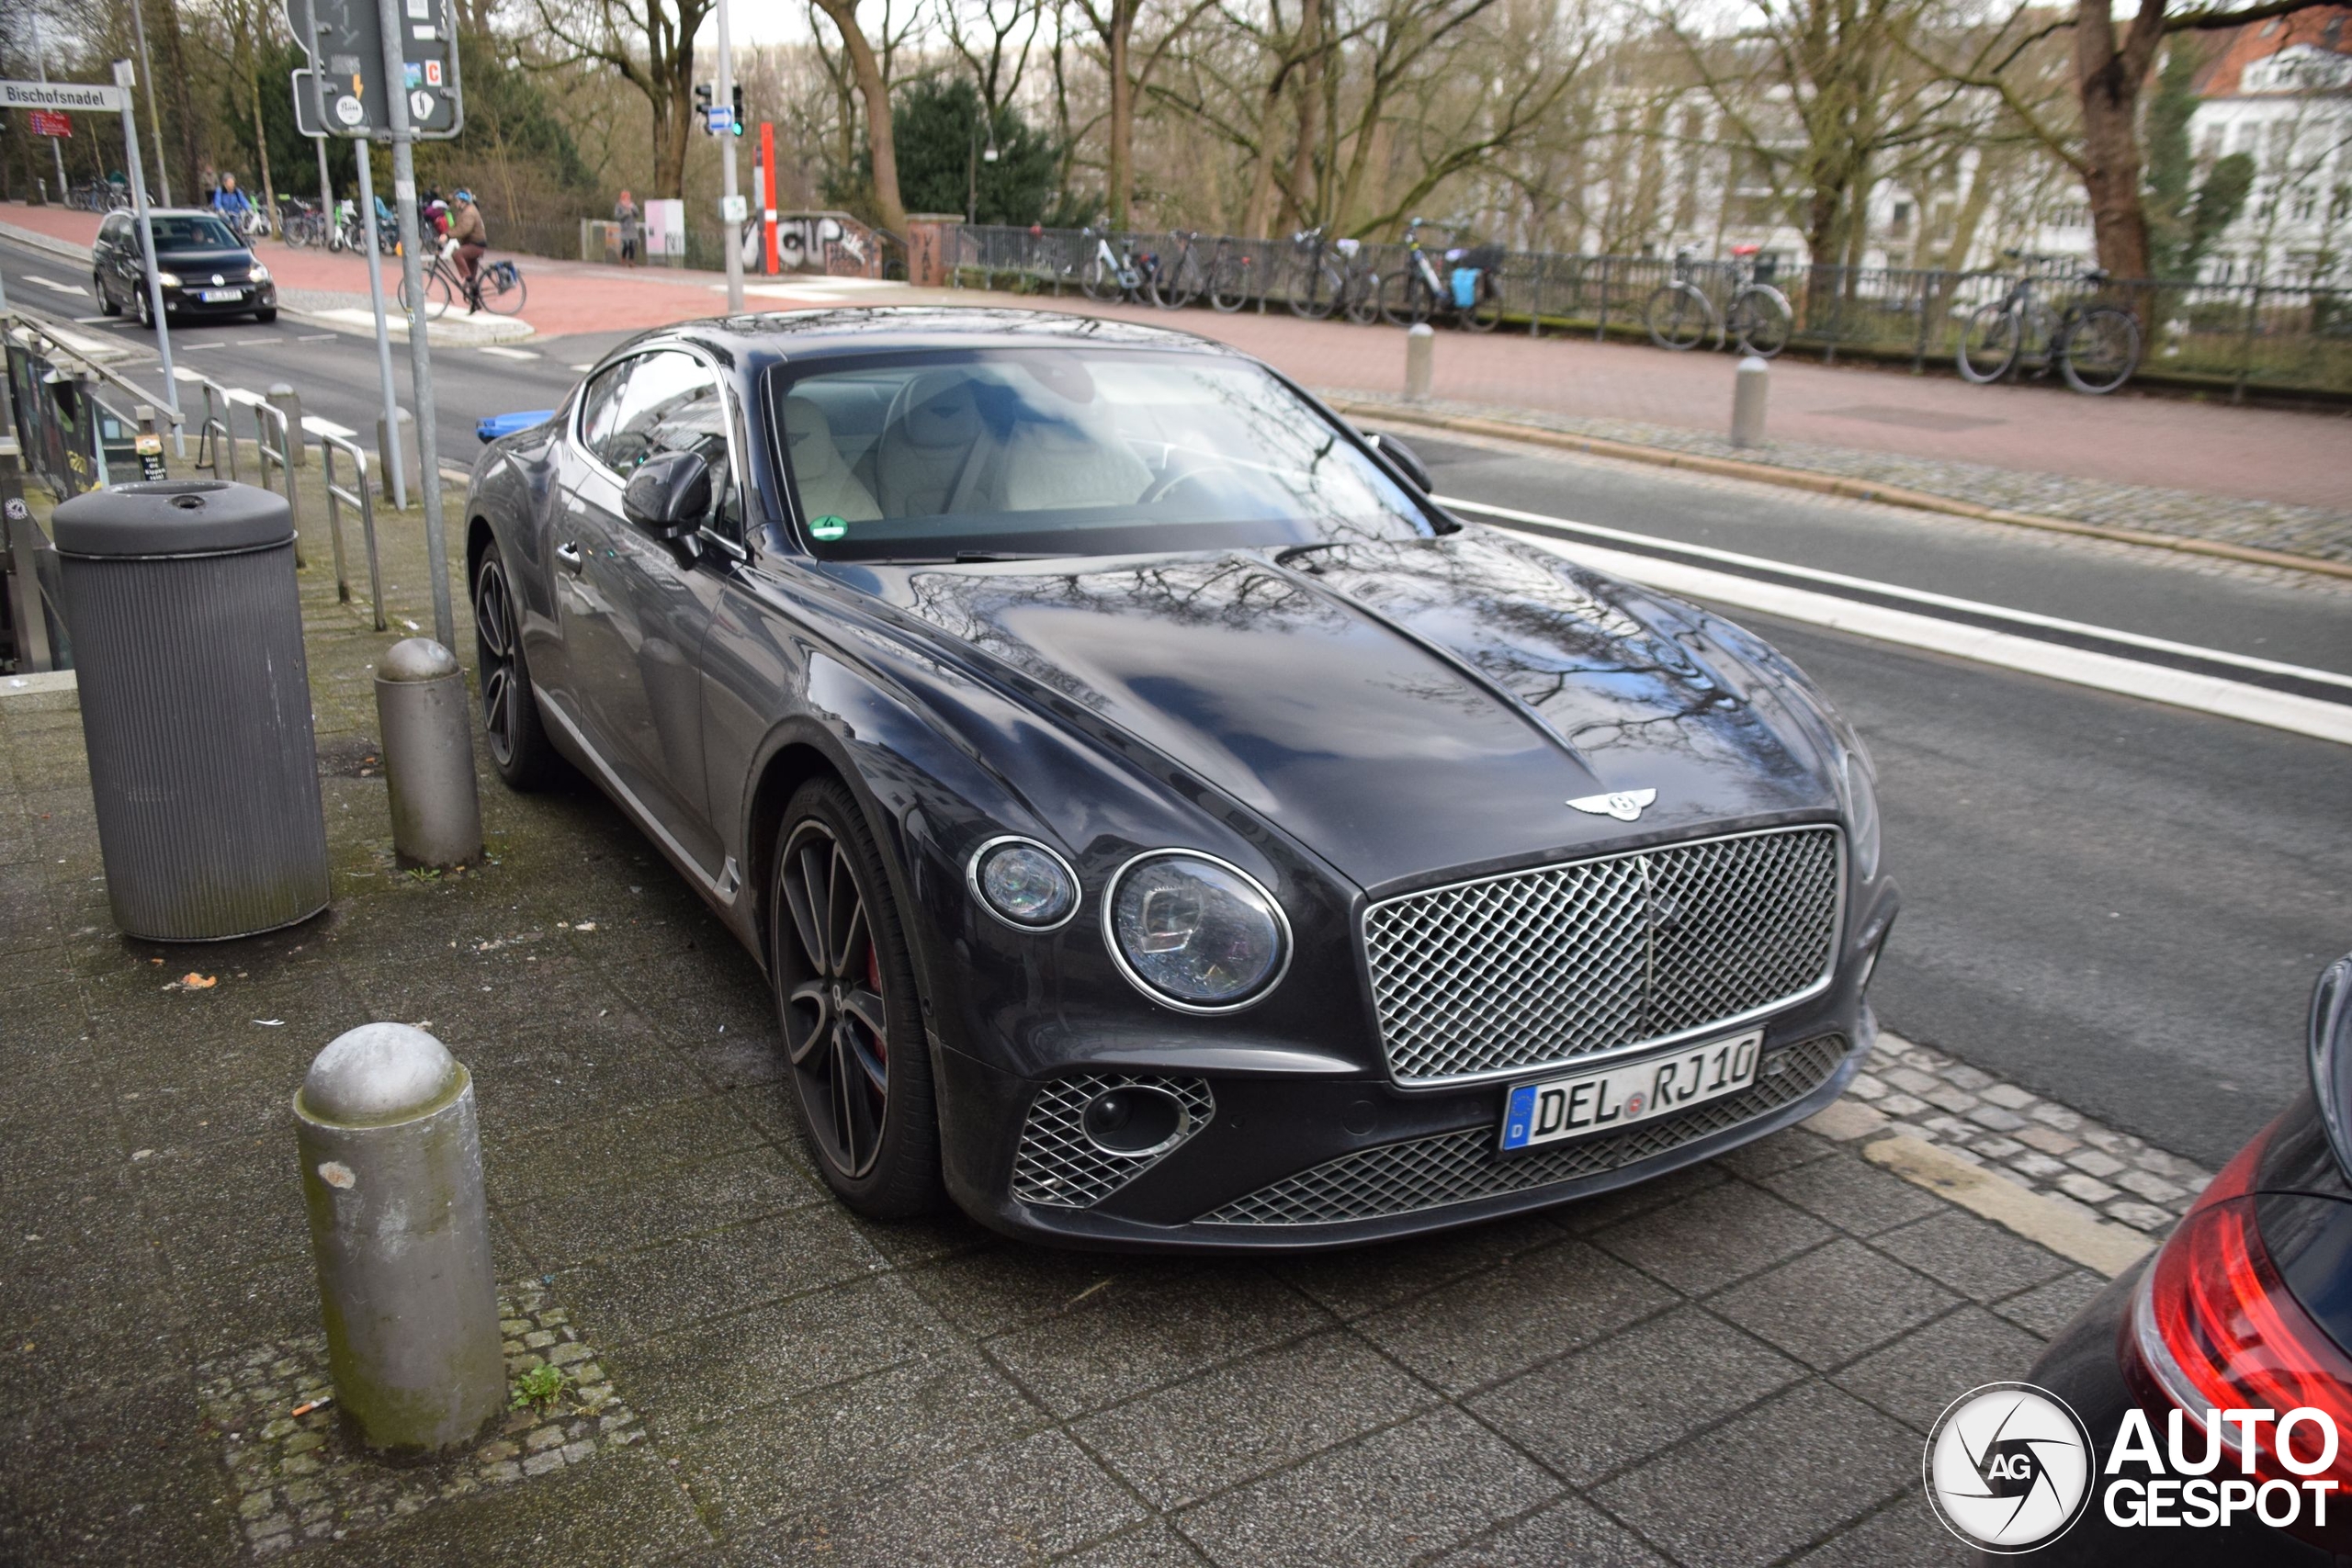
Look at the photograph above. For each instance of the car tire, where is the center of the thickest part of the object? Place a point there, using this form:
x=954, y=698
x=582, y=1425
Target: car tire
x=265, y=317
x=106, y=306
x=838, y=962
x=142, y=304
x=519, y=747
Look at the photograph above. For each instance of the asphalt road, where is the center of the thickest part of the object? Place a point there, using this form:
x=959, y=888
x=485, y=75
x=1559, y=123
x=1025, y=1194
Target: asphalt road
x=2116, y=903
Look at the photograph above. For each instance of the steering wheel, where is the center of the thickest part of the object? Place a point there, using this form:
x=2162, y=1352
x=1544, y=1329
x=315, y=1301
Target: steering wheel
x=1169, y=484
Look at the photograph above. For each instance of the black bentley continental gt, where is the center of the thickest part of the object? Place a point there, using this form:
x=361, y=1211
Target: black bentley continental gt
x=1161, y=823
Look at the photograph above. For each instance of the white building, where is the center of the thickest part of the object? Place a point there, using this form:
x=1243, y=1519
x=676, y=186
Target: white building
x=2281, y=91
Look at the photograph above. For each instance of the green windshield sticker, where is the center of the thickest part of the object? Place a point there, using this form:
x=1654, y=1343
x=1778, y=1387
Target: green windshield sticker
x=829, y=528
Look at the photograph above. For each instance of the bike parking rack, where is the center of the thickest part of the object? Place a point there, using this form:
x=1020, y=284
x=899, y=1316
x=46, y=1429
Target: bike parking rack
x=265, y=413
x=214, y=429
x=361, y=496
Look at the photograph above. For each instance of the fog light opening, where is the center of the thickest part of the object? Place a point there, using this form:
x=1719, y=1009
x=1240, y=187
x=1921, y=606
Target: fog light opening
x=1133, y=1122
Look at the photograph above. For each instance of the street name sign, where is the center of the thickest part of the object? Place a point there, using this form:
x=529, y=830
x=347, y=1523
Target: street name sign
x=88, y=96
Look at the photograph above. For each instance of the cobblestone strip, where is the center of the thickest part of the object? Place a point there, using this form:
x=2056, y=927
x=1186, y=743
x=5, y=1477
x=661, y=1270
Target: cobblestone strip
x=2262, y=524
x=302, y=1478
x=2058, y=1153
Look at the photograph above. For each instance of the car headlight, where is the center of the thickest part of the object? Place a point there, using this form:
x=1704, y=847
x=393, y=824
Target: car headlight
x=168, y=279
x=1023, y=883
x=260, y=273
x=1861, y=807
x=1194, y=932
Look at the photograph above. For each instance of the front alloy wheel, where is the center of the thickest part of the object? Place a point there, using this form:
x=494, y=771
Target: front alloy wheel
x=844, y=988
x=510, y=709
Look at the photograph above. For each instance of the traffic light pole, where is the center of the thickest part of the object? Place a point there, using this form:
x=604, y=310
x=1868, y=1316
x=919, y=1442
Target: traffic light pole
x=420, y=354
x=731, y=206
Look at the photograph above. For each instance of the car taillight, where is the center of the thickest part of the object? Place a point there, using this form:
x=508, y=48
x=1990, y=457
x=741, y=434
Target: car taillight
x=2215, y=1328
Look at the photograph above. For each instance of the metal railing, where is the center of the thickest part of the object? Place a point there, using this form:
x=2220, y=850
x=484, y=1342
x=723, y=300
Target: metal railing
x=213, y=432
x=265, y=415
x=2226, y=337
x=360, y=496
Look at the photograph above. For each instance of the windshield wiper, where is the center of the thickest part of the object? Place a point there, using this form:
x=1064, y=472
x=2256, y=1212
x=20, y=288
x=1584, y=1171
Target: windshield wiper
x=982, y=558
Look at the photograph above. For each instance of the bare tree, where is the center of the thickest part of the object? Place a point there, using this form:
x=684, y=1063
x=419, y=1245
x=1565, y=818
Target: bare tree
x=649, y=44
x=867, y=70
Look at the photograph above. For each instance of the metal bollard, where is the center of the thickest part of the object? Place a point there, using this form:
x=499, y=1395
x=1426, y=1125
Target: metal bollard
x=428, y=754
x=1749, y=384
x=284, y=397
x=391, y=1171
x=1421, y=348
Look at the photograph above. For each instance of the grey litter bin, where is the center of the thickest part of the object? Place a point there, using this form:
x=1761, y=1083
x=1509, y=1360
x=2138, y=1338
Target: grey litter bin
x=196, y=707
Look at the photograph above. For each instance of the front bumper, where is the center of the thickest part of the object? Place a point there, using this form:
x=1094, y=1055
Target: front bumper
x=188, y=300
x=1303, y=1163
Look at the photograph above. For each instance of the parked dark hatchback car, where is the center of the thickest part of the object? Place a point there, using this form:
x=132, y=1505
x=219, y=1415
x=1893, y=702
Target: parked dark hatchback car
x=208, y=271
x=1158, y=820
x=2246, y=1306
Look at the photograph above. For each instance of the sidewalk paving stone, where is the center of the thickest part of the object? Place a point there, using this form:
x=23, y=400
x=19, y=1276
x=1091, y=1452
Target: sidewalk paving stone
x=1728, y=1365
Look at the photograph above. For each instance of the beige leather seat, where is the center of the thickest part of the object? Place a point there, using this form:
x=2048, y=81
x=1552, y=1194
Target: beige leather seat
x=827, y=485
x=1079, y=460
x=934, y=449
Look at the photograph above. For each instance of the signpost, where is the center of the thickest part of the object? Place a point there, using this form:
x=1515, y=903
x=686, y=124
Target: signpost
x=50, y=122
x=388, y=71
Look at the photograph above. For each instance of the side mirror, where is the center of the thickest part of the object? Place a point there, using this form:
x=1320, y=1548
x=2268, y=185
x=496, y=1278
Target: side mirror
x=1405, y=459
x=669, y=495
x=2331, y=1050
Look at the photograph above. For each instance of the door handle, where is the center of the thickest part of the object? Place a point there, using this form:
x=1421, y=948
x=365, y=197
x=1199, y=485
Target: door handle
x=568, y=554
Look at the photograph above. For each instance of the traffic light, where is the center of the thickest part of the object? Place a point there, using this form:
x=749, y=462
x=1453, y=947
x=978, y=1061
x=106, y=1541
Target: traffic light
x=703, y=95
x=738, y=121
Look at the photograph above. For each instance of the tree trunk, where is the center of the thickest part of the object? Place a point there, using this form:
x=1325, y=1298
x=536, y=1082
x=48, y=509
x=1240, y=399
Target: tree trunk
x=261, y=139
x=671, y=123
x=889, y=209
x=2109, y=79
x=1119, y=179
x=1310, y=113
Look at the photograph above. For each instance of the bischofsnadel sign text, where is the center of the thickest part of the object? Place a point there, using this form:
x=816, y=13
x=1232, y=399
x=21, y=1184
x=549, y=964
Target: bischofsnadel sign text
x=88, y=96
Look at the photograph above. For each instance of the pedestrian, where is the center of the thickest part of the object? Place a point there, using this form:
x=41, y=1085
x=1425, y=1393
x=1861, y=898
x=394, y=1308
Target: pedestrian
x=632, y=225
x=472, y=235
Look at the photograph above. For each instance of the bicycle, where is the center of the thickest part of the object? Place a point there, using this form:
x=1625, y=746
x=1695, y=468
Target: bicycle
x=496, y=286
x=1359, y=285
x=1178, y=283
x=1319, y=291
x=1411, y=297
x=1112, y=276
x=300, y=223
x=1759, y=319
x=2096, y=348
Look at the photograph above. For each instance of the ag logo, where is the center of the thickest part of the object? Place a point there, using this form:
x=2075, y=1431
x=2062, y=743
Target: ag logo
x=2008, y=1468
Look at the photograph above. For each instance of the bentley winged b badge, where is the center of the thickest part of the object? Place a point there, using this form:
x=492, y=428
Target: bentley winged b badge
x=1625, y=805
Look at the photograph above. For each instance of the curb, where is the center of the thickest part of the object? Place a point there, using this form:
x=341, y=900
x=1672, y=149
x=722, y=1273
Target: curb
x=41, y=241
x=1826, y=484
x=2101, y=1245
x=443, y=333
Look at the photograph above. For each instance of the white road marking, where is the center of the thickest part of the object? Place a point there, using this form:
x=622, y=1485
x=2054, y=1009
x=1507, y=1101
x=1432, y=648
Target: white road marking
x=507, y=353
x=317, y=337
x=318, y=426
x=95, y=322
x=249, y=399
x=2081, y=667
x=583, y=369
x=1918, y=596
x=56, y=287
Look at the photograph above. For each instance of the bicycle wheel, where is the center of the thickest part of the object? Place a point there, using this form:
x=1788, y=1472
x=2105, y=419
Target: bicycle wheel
x=1099, y=281
x=1678, y=316
x=1989, y=345
x=1761, y=321
x=1406, y=300
x=1364, y=300
x=2100, y=350
x=1229, y=283
x=1316, y=293
x=1173, y=287
x=503, y=289
x=1485, y=311
x=437, y=296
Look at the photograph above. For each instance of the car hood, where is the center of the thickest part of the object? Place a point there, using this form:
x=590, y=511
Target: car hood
x=204, y=259
x=1402, y=709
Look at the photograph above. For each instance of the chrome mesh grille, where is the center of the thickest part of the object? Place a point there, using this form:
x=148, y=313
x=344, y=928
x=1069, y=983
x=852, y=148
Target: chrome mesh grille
x=1460, y=1167
x=1543, y=967
x=1058, y=1167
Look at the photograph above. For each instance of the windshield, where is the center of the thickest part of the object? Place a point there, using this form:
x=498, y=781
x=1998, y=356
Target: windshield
x=186, y=233
x=983, y=454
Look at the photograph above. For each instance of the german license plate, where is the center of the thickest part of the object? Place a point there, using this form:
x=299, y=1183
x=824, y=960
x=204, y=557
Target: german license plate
x=220, y=296
x=1554, y=1109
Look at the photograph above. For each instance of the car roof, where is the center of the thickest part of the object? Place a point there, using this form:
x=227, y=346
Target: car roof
x=801, y=335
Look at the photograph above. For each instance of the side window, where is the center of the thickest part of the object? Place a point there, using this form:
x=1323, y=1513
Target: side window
x=670, y=402
x=598, y=405
x=116, y=231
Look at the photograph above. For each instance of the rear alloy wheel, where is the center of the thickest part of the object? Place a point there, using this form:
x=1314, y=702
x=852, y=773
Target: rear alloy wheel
x=846, y=997
x=106, y=306
x=527, y=760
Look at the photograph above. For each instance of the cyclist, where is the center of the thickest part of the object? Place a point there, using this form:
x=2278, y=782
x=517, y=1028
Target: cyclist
x=232, y=203
x=465, y=227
